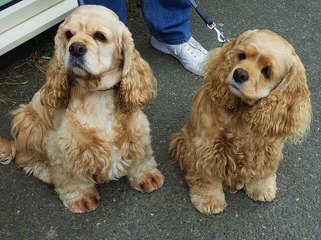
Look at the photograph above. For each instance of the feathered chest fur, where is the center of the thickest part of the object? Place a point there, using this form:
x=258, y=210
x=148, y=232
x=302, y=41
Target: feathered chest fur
x=95, y=110
x=91, y=120
x=242, y=153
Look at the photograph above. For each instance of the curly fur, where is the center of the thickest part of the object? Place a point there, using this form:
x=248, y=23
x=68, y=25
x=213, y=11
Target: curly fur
x=138, y=86
x=79, y=129
x=234, y=138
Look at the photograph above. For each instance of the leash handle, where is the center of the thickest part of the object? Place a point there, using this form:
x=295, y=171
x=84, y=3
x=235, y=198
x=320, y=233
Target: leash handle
x=208, y=21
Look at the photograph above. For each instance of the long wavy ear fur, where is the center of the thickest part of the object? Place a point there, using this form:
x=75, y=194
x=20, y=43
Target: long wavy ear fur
x=218, y=66
x=55, y=92
x=286, y=113
x=138, y=84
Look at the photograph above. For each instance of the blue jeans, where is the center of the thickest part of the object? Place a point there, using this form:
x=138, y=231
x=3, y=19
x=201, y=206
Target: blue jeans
x=167, y=20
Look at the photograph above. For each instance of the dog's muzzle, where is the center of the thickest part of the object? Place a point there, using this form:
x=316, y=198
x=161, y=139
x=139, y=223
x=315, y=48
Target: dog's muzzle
x=240, y=75
x=77, y=49
x=76, y=60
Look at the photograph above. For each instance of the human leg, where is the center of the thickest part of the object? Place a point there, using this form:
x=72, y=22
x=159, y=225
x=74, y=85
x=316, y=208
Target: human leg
x=118, y=6
x=168, y=20
x=169, y=24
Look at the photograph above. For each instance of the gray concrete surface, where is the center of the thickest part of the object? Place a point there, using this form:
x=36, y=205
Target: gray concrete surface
x=29, y=209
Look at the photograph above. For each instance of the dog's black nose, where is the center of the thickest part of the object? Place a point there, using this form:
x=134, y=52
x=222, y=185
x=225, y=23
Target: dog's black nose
x=77, y=49
x=240, y=75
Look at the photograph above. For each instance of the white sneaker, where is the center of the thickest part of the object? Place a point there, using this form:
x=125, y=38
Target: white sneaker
x=191, y=53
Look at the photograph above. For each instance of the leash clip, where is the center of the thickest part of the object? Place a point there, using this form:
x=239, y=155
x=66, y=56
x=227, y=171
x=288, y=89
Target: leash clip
x=220, y=36
x=209, y=21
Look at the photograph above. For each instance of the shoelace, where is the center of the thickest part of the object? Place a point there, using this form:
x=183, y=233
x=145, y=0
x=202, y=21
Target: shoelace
x=195, y=49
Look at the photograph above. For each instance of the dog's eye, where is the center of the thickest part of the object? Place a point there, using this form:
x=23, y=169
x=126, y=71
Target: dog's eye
x=242, y=56
x=267, y=72
x=100, y=36
x=69, y=35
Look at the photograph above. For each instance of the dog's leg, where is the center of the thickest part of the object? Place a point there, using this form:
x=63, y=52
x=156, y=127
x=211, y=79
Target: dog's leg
x=206, y=194
x=76, y=188
x=29, y=127
x=143, y=175
x=38, y=167
x=78, y=193
x=262, y=189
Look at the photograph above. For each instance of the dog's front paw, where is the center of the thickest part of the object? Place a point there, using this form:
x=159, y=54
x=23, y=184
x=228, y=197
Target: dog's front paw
x=148, y=182
x=208, y=204
x=262, y=195
x=86, y=203
x=263, y=190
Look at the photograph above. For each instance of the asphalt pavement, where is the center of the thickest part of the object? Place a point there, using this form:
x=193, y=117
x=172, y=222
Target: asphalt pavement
x=30, y=209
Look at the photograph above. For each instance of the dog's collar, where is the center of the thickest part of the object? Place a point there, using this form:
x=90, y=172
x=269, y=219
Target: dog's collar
x=115, y=86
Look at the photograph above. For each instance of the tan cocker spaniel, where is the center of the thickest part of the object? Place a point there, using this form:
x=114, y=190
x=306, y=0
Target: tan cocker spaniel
x=85, y=125
x=255, y=97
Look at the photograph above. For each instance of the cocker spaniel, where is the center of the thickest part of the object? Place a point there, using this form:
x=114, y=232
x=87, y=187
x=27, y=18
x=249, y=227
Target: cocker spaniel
x=86, y=125
x=254, y=98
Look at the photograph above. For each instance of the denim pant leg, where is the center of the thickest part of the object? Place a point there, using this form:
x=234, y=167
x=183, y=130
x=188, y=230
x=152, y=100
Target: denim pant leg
x=168, y=20
x=118, y=6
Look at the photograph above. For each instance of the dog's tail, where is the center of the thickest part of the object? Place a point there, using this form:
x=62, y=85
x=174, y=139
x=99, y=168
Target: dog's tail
x=7, y=151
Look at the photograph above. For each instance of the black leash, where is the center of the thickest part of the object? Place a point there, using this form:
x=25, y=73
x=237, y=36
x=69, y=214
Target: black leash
x=209, y=21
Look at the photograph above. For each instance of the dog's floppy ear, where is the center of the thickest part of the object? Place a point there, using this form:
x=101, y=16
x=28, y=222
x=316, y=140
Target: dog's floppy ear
x=286, y=112
x=217, y=68
x=55, y=92
x=138, y=83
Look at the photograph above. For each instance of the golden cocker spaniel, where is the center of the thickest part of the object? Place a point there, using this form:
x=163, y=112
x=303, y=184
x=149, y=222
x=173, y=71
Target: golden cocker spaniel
x=255, y=97
x=86, y=125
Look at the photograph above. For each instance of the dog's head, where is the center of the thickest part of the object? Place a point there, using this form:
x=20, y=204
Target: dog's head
x=97, y=51
x=262, y=71
x=90, y=45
